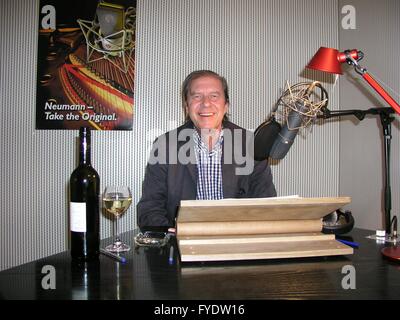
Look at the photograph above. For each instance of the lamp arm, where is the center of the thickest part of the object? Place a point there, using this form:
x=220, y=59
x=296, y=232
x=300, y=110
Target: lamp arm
x=373, y=83
x=381, y=91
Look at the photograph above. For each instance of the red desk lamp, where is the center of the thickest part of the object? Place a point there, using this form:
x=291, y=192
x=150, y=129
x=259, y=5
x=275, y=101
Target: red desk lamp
x=329, y=60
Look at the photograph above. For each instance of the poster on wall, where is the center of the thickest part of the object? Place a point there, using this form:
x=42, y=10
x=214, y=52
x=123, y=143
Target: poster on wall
x=86, y=64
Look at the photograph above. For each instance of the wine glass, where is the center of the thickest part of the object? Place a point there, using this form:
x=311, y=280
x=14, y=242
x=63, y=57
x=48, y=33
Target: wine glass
x=116, y=200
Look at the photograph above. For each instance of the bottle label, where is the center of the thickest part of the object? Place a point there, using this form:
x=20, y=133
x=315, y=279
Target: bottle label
x=77, y=216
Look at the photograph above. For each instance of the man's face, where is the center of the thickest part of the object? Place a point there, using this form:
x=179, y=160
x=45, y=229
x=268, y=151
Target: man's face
x=206, y=105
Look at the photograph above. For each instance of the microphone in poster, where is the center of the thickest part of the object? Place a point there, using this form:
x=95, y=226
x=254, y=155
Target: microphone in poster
x=86, y=65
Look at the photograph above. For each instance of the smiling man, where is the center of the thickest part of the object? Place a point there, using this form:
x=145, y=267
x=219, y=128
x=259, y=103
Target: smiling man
x=206, y=101
x=205, y=97
x=207, y=158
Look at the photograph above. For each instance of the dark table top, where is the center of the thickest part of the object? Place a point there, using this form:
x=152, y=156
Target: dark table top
x=149, y=275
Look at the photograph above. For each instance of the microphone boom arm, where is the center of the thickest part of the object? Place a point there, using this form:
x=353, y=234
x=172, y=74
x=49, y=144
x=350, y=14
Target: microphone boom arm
x=359, y=114
x=386, y=117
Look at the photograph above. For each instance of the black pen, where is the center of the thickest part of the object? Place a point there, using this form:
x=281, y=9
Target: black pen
x=113, y=255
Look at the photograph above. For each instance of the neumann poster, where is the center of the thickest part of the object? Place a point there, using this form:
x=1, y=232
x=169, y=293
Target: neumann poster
x=86, y=64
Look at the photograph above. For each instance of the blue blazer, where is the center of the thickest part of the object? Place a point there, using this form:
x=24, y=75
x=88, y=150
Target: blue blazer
x=167, y=183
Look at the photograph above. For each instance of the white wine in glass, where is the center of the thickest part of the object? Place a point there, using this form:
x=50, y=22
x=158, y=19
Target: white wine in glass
x=116, y=200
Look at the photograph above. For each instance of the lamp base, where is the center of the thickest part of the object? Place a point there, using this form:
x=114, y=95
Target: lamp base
x=384, y=239
x=391, y=253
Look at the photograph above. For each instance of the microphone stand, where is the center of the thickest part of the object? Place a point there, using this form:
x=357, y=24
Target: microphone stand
x=386, y=117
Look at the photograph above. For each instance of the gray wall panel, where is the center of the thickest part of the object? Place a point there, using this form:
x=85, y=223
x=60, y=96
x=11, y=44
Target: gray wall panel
x=361, y=143
x=257, y=45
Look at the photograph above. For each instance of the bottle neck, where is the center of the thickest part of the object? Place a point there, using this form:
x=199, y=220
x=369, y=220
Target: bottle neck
x=84, y=149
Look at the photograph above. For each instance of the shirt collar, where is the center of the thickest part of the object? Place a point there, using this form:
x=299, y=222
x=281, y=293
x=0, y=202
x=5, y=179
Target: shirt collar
x=203, y=147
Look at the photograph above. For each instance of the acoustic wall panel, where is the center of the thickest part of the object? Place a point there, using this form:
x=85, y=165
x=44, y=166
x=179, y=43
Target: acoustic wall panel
x=376, y=34
x=257, y=45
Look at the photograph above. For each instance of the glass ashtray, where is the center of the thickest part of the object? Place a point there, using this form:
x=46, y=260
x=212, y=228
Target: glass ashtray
x=151, y=239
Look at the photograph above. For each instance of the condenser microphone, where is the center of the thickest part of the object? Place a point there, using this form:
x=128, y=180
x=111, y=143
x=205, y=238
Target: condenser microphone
x=288, y=133
x=296, y=108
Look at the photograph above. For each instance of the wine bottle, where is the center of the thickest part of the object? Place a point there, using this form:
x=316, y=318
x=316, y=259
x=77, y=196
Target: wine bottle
x=84, y=204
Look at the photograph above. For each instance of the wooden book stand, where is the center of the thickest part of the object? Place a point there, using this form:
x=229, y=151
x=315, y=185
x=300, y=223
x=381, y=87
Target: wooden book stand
x=259, y=228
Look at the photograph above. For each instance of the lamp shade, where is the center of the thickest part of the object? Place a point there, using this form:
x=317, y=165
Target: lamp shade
x=327, y=60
